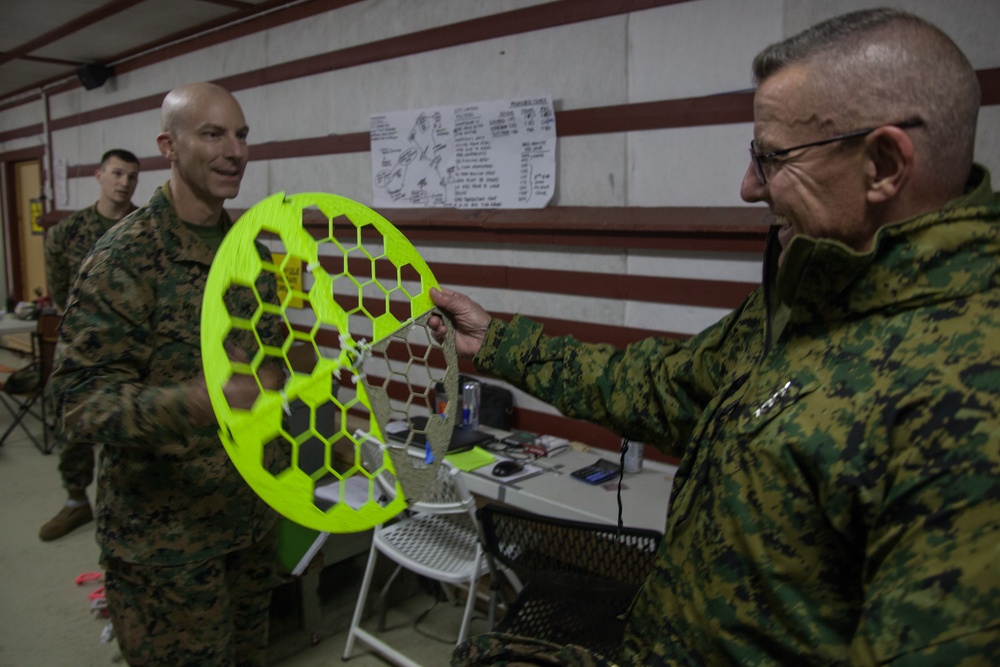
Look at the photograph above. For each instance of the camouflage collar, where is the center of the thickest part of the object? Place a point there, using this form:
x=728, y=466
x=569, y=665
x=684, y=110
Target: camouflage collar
x=941, y=255
x=180, y=243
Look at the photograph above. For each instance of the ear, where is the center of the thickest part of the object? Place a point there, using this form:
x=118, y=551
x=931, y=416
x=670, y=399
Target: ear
x=165, y=142
x=890, y=154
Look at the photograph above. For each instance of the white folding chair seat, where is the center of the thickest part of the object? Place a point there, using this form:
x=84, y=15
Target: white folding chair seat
x=437, y=539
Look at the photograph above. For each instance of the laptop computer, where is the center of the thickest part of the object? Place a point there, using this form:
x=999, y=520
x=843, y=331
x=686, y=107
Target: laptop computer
x=461, y=439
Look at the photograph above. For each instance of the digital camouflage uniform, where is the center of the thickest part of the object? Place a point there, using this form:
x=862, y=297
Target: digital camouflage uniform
x=168, y=496
x=66, y=244
x=838, y=495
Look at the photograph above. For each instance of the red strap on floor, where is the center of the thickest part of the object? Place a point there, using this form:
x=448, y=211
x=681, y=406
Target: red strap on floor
x=89, y=576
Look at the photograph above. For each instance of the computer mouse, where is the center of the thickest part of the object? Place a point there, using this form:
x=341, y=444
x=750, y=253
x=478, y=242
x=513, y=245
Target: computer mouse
x=507, y=468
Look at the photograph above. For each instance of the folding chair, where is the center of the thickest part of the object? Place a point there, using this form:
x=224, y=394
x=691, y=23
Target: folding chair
x=578, y=579
x=437, y=539
x=24, y=389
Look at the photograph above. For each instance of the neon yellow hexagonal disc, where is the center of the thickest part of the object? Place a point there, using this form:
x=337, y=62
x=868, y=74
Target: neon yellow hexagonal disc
x=343, y=294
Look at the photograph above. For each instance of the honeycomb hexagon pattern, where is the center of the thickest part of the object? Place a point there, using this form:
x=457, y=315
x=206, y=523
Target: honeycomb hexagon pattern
x=343, y=315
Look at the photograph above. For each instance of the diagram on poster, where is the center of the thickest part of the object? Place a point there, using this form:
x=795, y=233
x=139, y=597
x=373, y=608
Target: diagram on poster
x=497, y=154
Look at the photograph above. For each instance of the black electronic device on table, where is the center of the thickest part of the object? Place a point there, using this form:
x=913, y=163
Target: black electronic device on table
x=507, y=468
x=598, y=472
x=461, y=439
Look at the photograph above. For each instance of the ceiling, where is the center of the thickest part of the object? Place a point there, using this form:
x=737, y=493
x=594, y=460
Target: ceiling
x=44, y=42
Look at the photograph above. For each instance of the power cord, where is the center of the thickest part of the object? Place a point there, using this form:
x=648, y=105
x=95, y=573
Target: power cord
x=621, y=480
x=439, y=596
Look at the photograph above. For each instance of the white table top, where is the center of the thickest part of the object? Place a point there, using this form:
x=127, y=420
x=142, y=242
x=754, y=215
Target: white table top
x=10, y=324
x=553, y=492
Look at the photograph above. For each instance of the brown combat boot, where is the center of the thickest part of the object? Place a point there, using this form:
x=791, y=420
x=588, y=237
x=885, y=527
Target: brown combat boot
x=68, y=519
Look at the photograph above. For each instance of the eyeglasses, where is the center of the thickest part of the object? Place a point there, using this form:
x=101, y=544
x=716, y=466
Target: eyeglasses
x=759, y=160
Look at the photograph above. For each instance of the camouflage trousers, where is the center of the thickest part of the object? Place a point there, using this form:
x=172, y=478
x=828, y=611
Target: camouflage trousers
x=212, y=613
x=76, y=459
x=496, y=649
x=76, y=463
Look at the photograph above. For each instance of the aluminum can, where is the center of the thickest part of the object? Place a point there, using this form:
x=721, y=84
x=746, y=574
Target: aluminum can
x=633, y=456
x=440, y=398
x=471, y=395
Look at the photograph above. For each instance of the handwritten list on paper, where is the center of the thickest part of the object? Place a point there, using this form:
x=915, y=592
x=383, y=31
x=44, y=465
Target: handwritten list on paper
x=497, y=154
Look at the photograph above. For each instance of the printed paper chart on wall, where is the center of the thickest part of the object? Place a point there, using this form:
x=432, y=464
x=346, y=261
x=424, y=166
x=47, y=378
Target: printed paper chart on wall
x=497, y=154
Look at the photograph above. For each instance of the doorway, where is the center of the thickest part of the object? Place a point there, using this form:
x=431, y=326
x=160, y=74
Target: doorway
x=24, y=240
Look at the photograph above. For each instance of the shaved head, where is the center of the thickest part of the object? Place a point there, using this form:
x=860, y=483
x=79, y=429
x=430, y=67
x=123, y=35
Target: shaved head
x=180, y=103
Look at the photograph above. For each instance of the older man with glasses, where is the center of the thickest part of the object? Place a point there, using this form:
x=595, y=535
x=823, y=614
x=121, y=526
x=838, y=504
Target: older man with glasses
x=838, y=494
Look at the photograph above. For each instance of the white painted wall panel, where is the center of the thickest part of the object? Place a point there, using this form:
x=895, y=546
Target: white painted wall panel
x=578, y=65
x=533, y=257
x=744, y=268
x=31, y=141
x=348, y=175
x=988, y=141
x=370, y=21
x=698, y=48
x=135, y=132
x=673, y=318
x=590, y=170
x=22, y=115
x=696, y=166
x=586, y=309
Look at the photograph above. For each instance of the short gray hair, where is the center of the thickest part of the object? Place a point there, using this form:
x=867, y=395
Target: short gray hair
x=882, y=66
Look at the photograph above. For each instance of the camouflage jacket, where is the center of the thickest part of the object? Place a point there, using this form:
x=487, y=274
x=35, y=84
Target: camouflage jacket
x=130, y=337
x=66, y=244
x=838, y=494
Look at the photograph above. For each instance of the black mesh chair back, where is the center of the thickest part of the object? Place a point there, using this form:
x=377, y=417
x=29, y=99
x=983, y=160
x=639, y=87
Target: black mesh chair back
x=24, y=390
x=579, y=578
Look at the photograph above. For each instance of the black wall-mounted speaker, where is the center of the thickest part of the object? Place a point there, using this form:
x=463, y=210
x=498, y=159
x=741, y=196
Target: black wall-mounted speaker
x=93, y=75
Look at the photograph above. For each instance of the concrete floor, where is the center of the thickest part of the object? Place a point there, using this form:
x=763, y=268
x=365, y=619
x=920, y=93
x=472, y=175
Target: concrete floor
x=46, y=617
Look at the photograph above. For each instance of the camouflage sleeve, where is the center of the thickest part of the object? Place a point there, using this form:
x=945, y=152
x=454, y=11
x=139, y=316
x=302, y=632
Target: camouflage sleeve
x=56, y=267
x=932, y=586
x=104, y=348
x=654, y=390
x=978, y=649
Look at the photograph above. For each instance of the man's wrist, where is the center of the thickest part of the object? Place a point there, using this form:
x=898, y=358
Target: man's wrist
x=485, y=358
x=198, y=405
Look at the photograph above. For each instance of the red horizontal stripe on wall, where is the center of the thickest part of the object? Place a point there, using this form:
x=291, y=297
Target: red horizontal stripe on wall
x=357, y=142
x=606, y=221
x=21, y=132
x=31, y=153
x=624, y=287
x=588, y=332
x=989, y=85
x=691, y=112
x=653, y=289
x=719, y=229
